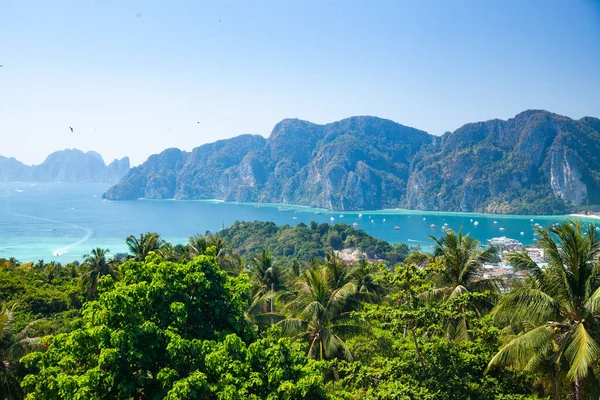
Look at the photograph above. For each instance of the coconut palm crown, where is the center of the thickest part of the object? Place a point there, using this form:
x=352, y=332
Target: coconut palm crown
x=557, y=308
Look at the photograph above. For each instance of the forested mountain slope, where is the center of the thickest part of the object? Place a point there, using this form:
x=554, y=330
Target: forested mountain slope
x=536, y=162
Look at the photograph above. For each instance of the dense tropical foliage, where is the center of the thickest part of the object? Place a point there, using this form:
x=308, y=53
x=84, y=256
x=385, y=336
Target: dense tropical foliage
x=305, y=242
x=214, y=320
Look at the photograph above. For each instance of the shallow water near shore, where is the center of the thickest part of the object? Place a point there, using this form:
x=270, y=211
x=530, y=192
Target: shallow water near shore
x=65, y=221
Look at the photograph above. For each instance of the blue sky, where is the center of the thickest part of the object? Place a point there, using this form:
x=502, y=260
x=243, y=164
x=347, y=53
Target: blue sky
x=134, y=77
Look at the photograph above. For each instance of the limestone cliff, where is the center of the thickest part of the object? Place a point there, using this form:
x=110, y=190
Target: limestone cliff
x=65, y=166
x=536, y=162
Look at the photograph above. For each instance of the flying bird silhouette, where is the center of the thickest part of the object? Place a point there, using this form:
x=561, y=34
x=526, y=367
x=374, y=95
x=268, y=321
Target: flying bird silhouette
x=71, y=129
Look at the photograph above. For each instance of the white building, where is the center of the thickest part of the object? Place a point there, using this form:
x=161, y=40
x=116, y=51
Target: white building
x=537, y=254
x=505, y=244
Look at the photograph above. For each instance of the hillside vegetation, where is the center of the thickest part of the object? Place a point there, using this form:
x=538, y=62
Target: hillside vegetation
x=534, y=163
x=202, y=321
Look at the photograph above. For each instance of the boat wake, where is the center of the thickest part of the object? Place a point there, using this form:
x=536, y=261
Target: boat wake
x=62, y=250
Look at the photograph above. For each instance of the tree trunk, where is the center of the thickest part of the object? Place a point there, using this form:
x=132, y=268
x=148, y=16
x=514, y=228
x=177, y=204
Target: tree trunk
x=541, y=391
x=272, y=296
x=556, y=387
x=578, y=394
x=417, y=348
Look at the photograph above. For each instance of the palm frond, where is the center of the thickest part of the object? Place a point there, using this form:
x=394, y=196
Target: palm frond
x=527, y=303
x=293, y=326
x=581, y=352
x=518, y=352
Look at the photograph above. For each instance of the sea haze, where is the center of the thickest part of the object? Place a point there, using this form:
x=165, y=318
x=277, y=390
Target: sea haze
x=64, y=221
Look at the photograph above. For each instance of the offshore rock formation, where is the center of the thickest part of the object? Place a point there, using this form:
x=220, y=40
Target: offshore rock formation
x=65, y=166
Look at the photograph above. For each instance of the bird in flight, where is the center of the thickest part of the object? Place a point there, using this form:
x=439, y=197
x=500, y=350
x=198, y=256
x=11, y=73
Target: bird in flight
x=71, y=129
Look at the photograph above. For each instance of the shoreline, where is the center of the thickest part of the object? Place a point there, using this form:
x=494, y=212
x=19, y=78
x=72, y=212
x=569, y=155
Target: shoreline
x=383, y=211
x=594, y=217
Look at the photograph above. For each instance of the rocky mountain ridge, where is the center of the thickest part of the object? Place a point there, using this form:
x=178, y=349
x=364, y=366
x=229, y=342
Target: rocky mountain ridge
x=69, y=165
x=536, y=162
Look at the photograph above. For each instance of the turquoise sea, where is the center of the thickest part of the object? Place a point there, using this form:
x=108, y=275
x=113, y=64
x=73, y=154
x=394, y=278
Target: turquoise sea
x=64, y=221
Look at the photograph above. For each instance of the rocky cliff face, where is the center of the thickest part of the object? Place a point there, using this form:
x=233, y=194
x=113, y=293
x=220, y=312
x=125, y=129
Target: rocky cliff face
x=65, y=166
x=565, y=175
x=357, y=163
x=12, y=170
x=537, y=162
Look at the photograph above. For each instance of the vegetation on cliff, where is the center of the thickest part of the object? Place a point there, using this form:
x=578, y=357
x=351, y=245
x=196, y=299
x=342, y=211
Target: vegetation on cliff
x=534, y=163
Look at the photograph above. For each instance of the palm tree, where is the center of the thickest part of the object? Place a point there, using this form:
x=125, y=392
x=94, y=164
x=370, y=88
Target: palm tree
x=233, y=263
x=51, y=272
x=368, y=289
x=267, y=276
x=175, y=253
x=72, y=270
x=197, y=245
x=200, y=243
x=296, y=268
x=320, y=315
x=96, y=266
x=460, y=258
x=218, y=243
x=267, y=273
x=11, y=351
x=142, y=246
x=338, y=273
x=557, y=309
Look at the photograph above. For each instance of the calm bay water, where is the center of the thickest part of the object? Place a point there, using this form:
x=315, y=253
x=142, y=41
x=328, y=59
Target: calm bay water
x=64, y=221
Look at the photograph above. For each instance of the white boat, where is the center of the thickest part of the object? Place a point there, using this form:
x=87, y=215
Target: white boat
x=294, y=217
x=471, y=220
x=355, y=224
x=531, y=220
x=423, y=218
x=59, y=252
x=359, y=215
x=396, y=228
x=522, y=233
x=476, y=223
x=333, y=219
x=502, y=229
x=341, y=215
x=432, y=226
x=384, y=220
x=495, y=222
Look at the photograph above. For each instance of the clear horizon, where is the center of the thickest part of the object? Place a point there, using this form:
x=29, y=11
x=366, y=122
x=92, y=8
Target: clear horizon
x=135, y=78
